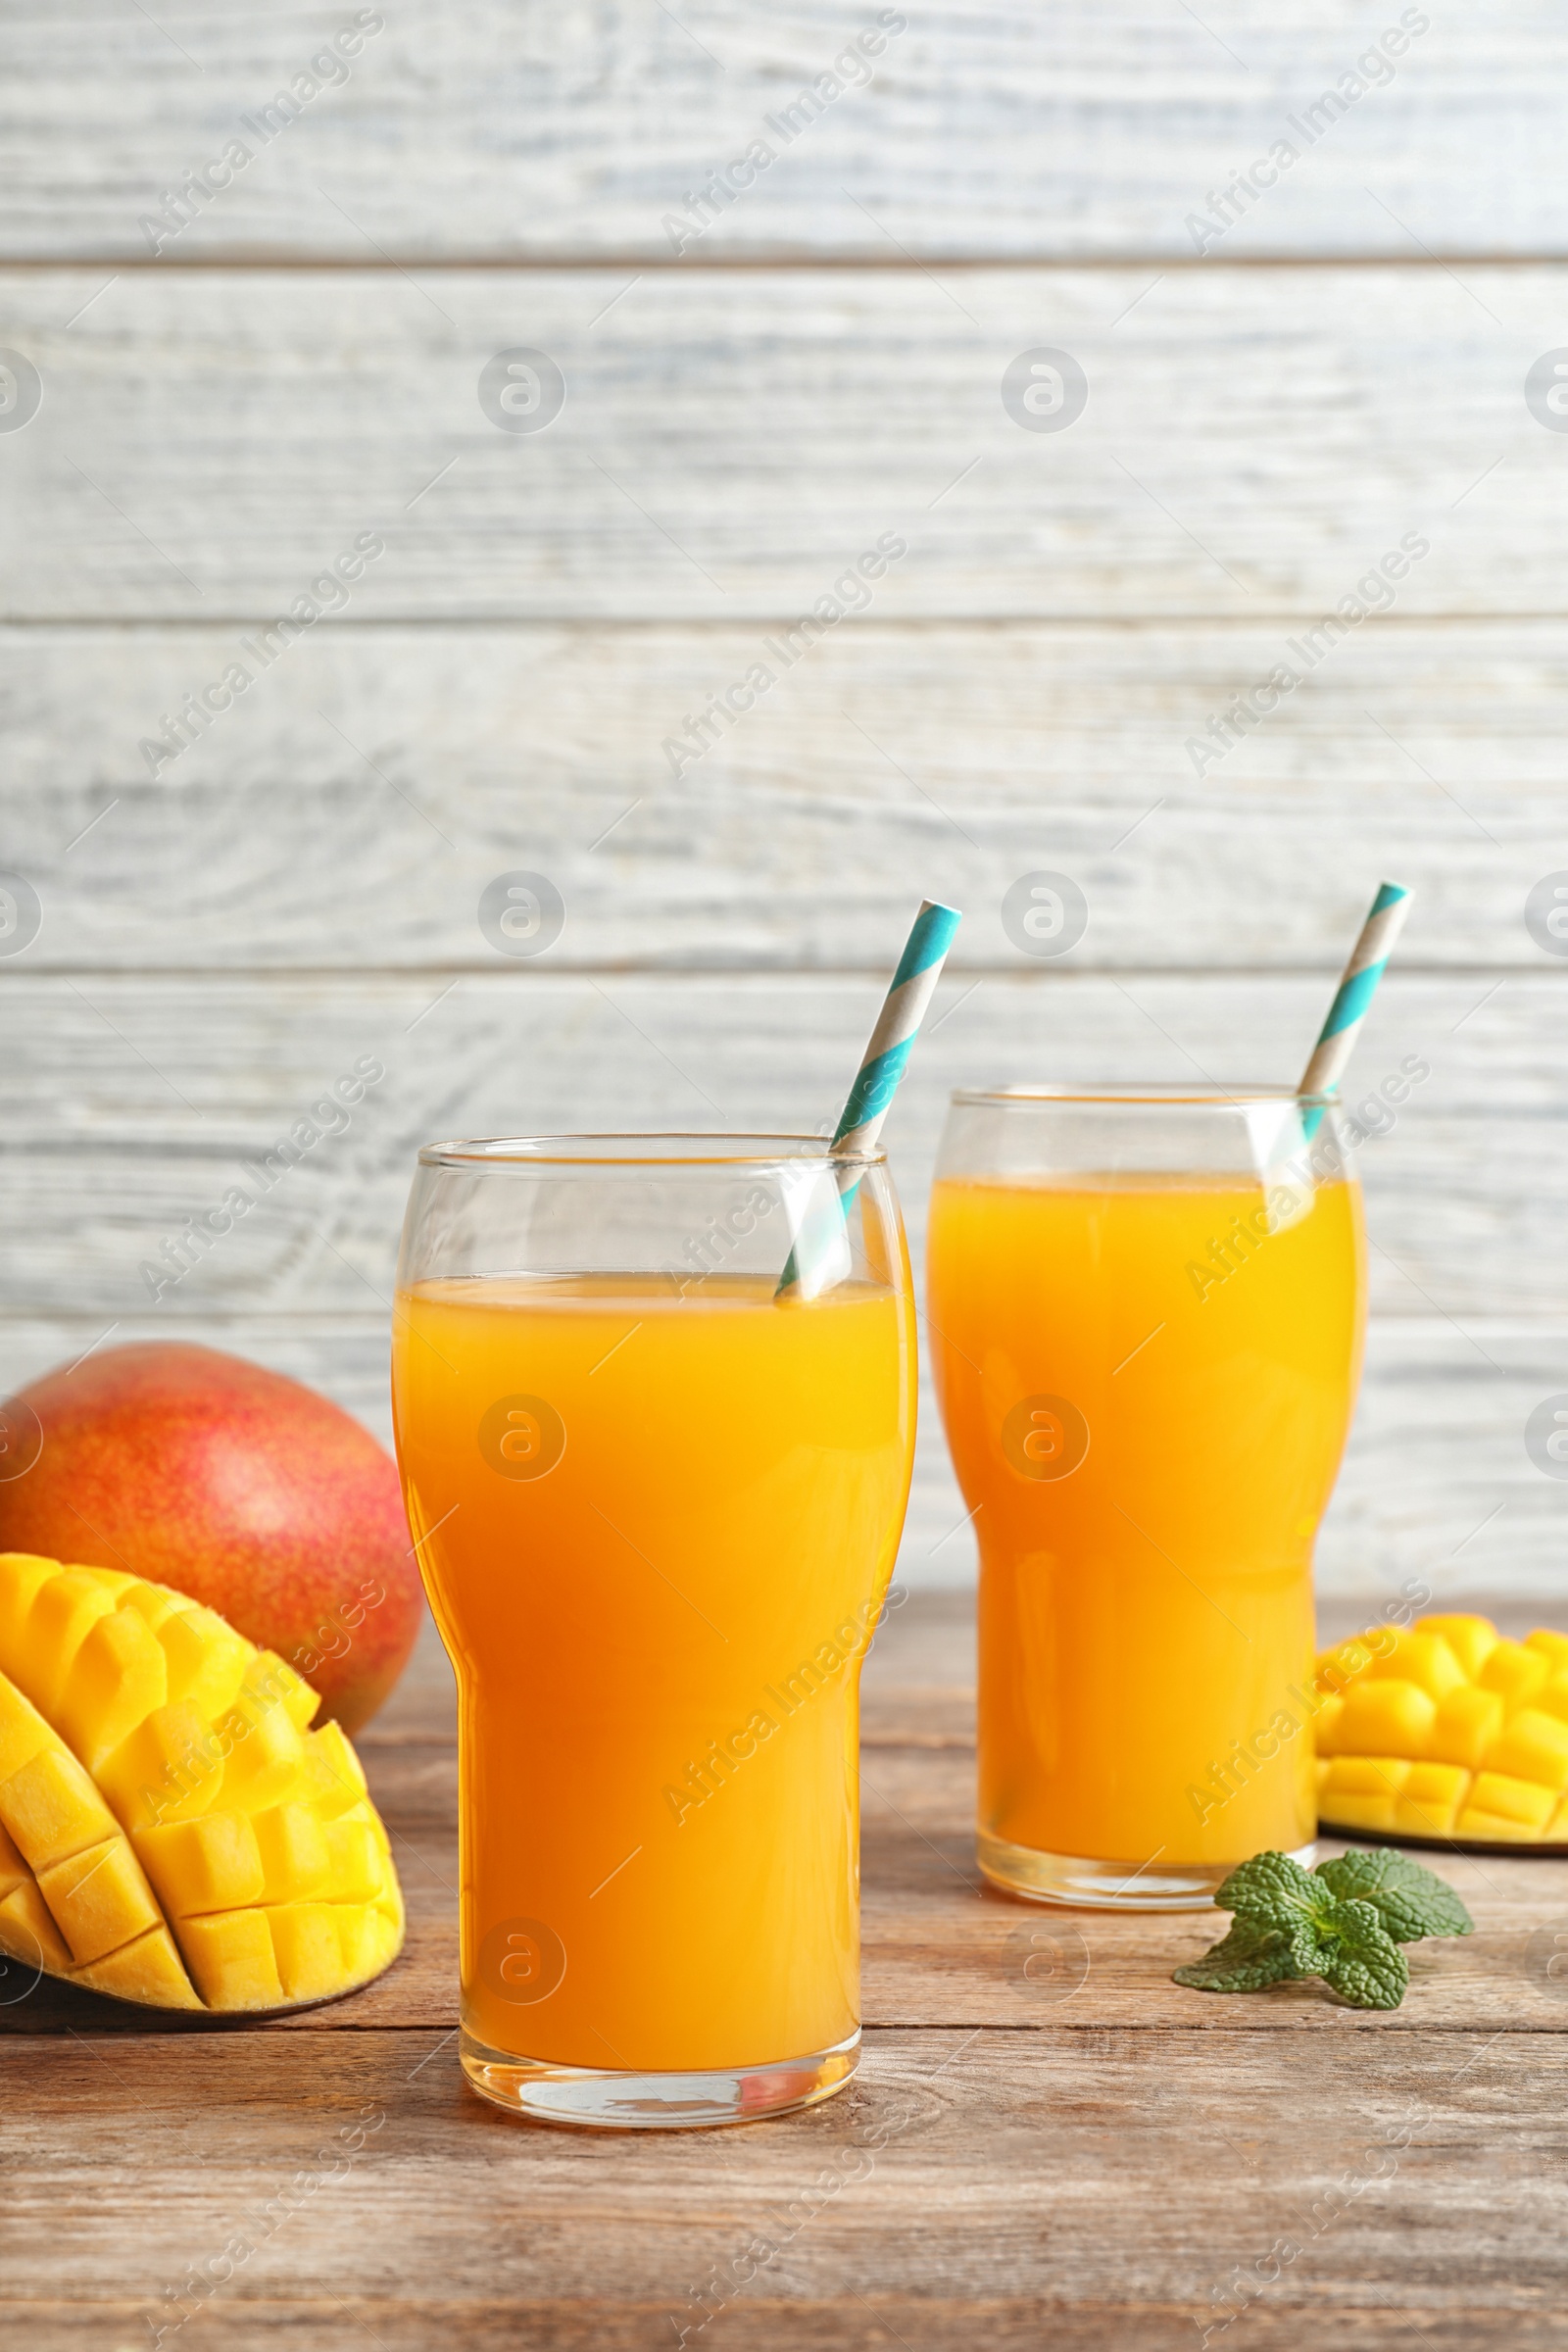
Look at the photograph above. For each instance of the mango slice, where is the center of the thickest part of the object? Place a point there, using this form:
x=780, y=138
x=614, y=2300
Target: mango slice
x=1445, y=1731
x=172, y=1831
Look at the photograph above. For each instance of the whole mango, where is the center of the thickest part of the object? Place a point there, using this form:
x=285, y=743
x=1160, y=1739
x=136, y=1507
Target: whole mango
x=236, y=1485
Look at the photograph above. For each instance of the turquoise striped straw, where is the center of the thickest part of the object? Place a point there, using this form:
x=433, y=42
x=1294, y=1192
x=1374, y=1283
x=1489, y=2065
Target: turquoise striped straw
x=1352, y=1000
x=882, y=1065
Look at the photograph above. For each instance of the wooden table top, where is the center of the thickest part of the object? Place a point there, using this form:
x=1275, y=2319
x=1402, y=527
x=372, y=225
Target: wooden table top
x=1048, y=2142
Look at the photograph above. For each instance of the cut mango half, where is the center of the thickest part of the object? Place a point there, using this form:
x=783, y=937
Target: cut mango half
x=1444, y=1734
x=172, y=1831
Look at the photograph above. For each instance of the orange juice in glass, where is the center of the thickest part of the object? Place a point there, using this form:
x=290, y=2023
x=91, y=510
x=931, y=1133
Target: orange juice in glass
x=1147, y=1314
x=656, y=1509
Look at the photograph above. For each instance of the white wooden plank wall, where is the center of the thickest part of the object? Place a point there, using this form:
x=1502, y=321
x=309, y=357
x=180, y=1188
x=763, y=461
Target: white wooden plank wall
x=1013, y=128
x=1284, y=386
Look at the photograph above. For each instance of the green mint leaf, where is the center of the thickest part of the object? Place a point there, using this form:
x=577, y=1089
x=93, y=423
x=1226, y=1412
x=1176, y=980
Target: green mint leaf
x=1248, y=1958
x=1275, y=1892
x=1364, y=1966
x=1410, y=1901
x=1344, y=1921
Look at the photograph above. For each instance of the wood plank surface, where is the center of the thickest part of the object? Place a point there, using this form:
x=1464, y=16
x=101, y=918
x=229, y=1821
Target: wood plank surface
x=1092, y=128
x=853, y=2322
x=349, y=809
x=1084, y=2148
x=1254, y=441
x=1045, y=2157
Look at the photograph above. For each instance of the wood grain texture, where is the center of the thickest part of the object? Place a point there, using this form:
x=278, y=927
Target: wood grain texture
x=1080, y=129
x=1051, y=2159
x=1365, y=2317
x=349, y=809
x=1254, y=440
x=1088, y=2148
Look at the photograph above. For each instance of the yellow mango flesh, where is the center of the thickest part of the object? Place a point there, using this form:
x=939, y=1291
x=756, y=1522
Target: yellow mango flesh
x=118, y=1677
x=63, y=1614
x=1465, y=1725
x=1423, y=1660
x=203, y=1660
x=1445, y=1731
x=1515, y=1671
x=1470, y=1638
x=21, y=1574
x=172, y=1831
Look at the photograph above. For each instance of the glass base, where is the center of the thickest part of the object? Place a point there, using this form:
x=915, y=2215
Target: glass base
x=618, y=2099
x=1079, y=1880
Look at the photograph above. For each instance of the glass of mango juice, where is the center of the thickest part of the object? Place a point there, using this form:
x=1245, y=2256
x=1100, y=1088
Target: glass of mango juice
x=1146, y=1310
x=657, y=1505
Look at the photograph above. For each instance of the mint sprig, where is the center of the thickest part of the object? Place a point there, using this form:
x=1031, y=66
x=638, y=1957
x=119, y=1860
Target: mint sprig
x=1342, y=1921
x=1249, y=1957
x=1410, y=1900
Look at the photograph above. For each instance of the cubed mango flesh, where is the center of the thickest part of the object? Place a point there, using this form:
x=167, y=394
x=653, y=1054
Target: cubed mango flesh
x=1465, y=1725
x=278, y=1679
x=30, y=1934
x=263, y=1756
x=170, y=1769
x=355, y=1873
x=308, y=1947
x=1448, y=1731
x=1516, y=1672
x=1422, y=1658
x=23, y=1576
x=52, y=1808
x=116, y=1678
x=1470, y=1638
x=1514, y=1808
x=150, y=1971
x=63, y=1614
x=1428, y=1804
x=292, y=1846
x=1360, y=1791
x=208, y=1865
x=100, y=1898
x=14, y=1871
x=172, y=1831
x=1531, y=1746
x=154, y=1604
x=205, y=1660
x=334, y=1778
x=231, y=1958
x=1385, y=1719
x=22, y=1729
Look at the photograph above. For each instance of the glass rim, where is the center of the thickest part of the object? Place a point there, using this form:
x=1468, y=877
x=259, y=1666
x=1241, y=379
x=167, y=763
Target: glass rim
x=660, y=1147
x=1149, y=1095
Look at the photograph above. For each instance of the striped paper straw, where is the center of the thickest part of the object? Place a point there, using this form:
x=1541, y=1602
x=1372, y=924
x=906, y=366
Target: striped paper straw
x=882, y=1065
x=1352, y=999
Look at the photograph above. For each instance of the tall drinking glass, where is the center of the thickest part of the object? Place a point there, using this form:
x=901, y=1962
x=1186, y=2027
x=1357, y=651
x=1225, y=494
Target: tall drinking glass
x=656, y=1508
x=1147, y=1312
